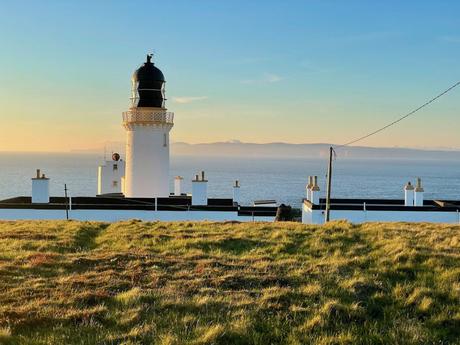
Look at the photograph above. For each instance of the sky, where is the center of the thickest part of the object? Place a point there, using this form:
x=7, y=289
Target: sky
x=255, y=71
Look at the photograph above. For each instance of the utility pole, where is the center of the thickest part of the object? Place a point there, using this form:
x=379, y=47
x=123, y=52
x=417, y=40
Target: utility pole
x=329, y=180
x=66, y=202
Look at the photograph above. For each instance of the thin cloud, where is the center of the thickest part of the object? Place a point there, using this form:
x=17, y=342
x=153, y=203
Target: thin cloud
x=188, y=99
x=272, y=78
x=311, y=67
x=248, y=60
x=372, y=36
x=267, y=78
x=450, y=39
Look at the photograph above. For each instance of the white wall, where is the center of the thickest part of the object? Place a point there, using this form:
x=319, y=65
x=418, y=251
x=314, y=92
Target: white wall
x=31, y=214
x=312, y=217
x=109, y=178
x=40, y=190
x=360, y=216
x=199, y=192
x=116, y=215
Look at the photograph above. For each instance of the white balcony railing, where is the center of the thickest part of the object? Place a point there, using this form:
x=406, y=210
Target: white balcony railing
x=145, y=117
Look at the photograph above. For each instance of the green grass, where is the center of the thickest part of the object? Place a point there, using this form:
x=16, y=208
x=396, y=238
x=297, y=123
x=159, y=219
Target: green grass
x=228, y=283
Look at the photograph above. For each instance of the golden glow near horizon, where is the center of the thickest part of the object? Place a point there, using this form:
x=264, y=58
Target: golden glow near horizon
x=86, y=132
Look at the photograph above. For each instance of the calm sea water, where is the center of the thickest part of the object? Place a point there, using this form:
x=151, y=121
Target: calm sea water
x=260, y=178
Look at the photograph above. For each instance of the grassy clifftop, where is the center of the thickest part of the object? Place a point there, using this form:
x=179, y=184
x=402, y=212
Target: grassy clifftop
x=226, y=283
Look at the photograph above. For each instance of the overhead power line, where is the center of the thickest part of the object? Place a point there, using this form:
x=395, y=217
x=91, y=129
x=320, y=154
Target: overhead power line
x=332, y=152
x=401, y=118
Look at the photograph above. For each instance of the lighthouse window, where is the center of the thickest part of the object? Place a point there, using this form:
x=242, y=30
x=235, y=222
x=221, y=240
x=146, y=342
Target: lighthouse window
x=115, y=167
x=165, y=140
x=114, y=183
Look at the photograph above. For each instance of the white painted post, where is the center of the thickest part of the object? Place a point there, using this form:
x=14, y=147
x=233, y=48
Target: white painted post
x=365, y=212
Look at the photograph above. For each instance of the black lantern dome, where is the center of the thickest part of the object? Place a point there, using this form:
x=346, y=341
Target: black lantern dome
x=148, y=86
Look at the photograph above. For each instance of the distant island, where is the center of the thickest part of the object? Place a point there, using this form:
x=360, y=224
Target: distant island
x=279, y=150
x=305, y=151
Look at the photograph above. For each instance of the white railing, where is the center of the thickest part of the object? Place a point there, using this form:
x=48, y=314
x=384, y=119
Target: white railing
x=135, y=116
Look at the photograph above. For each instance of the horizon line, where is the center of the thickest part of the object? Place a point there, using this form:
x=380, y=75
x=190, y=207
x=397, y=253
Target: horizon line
x=233, y=142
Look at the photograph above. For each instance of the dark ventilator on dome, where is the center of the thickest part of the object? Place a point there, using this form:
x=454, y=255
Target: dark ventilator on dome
x=148, y=86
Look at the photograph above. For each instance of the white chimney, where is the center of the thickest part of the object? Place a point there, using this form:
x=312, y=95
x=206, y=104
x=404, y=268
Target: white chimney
x=200, y=190
x=418, y=194
x=236, y=193
x=308, y=187
x=314, y=194
x=40, y=188
x=409, y=194
x=178, y=185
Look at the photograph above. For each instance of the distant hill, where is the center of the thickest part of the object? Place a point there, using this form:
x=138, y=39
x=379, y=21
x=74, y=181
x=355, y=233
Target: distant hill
x=277, y=150
x=304, y=151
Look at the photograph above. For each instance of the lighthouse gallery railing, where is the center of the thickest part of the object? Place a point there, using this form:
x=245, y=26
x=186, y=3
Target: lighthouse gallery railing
x=136, y=116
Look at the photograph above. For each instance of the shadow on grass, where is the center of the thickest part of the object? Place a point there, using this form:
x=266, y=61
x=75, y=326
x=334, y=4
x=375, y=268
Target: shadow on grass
x=246, y=282
x=235, y=246
x=85, y=237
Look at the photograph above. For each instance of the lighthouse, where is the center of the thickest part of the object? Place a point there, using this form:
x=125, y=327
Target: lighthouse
x=147, y=124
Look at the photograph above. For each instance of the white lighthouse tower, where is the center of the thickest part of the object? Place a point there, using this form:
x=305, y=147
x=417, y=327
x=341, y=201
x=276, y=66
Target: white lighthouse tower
x=147, y=125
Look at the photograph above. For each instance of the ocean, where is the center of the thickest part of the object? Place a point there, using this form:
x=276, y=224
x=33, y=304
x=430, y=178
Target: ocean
x=260, y=178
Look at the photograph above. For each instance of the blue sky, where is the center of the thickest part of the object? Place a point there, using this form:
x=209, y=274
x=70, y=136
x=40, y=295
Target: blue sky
x=260, y=71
